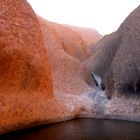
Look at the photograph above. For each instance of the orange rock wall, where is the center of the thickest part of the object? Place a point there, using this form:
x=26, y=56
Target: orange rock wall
x=41, y=70
x=23, y=59
x=25, y=75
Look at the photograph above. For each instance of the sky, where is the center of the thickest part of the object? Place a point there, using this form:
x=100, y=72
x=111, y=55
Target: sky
x=103, y=15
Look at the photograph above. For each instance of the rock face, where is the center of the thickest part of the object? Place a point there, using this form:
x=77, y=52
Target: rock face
x=116, y=58
x=23, y=58
x=90, y=36
x=115, y=65
x=72, y=42
x=65, y=56
x=45, y=77
x=27, y=95
x=24, y=70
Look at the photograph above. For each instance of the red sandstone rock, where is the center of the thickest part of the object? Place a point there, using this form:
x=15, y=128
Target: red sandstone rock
x=28, y=96
x=71, y=41
x=90, y=36
x=68, y=72
x=25, y=76
x=26, y=87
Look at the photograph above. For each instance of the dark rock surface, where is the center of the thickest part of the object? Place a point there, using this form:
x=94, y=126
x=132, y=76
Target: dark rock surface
x=116, y=58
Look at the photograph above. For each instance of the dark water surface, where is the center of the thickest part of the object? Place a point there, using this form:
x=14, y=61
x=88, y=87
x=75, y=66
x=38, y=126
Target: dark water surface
x=80, y=129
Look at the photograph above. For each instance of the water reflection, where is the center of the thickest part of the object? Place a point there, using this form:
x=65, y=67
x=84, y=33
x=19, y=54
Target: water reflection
x=81, y=129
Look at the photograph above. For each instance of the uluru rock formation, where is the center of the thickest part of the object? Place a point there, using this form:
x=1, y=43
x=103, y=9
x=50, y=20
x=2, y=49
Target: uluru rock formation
x=25, y=74
x=27, y=95
x=90, y=36
x=23, y=55
x=46, y=74
x=71, y=42
x=116, y=58
x=67, y=68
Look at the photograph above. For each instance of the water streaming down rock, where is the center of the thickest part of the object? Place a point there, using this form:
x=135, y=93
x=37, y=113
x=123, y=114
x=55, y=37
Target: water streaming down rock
x=116, y=60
